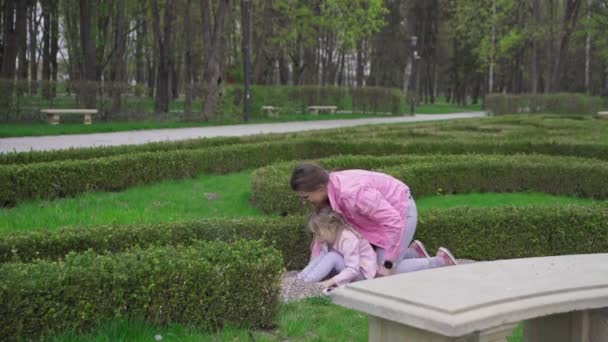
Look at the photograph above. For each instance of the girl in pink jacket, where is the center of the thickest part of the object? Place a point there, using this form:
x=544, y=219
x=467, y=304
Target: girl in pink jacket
x=343, y=250
x=378, y=206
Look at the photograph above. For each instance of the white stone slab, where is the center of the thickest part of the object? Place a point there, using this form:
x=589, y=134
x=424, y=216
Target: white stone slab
x=455, y=301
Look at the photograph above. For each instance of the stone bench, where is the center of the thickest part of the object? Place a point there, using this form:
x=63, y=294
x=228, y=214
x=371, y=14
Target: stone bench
x=603, y=115
x=315, y=110
x=271, y=111
x=559, y=299
x=53, y=116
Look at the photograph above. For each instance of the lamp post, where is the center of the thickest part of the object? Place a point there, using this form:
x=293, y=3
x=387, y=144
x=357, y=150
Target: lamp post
x=246, y=58
x=412, y=86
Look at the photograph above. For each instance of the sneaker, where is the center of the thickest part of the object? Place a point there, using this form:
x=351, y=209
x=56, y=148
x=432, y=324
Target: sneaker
x=420, y=250
x=446, y=256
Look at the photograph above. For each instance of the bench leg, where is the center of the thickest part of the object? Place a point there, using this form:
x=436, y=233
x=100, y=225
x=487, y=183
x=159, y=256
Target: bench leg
x=88, y=119
x=580, y=326
x=52, y=119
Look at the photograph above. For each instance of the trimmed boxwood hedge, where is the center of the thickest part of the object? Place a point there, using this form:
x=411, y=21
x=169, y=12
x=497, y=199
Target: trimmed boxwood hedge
x=70, y=177
x=448, y=174
x=477, y=233
x=284, y=233
x=206, y=285
x=558, y=103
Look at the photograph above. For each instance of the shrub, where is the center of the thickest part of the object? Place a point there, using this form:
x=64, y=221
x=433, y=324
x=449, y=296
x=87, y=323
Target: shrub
x=564, y=103
x=448, y=174
x=202, y=285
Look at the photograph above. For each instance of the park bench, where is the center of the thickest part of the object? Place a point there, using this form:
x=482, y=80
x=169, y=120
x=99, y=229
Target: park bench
x=603, y=115
x=53, y=116
x=315, y=110
x=271, y=111
x=559, y=299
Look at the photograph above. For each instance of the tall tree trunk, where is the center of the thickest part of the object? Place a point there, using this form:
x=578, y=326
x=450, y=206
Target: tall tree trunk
x=88, y=88
x=118, y=68
x=188, y=59
x=493, y=49
x=283, y=69
x=21, y=27
x=46, y=48
x=139, y=52
x=588, y=52
x=54, y=46
x=9, y=54
x=263, y=65
x=549, y=48
x=571, y=9
x=33, y=28
x=534, y=55
x=161, y=101
x=214, y=43
x=151, y=61
x=605, y=91
x=360, y=64
x=71, y=16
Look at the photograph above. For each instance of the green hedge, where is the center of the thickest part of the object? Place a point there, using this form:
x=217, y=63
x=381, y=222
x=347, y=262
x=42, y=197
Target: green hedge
x=206, y=285
x=295, y=99
x=516, y=232
x=477, y=233
x=71, y=177
x=448, y=174
x=559, y=103
x=284, y=233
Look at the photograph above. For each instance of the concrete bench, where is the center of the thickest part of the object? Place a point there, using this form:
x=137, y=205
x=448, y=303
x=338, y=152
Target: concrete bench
x=315, y=110
x=53, y=116
x=271, y=111
x=559, y=299
x=603, y=115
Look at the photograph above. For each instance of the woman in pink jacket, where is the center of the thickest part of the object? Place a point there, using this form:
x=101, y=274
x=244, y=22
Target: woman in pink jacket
x=378, y=206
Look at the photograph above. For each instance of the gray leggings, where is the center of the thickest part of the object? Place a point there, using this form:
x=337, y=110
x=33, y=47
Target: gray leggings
x=408, y=258
x=321, y=266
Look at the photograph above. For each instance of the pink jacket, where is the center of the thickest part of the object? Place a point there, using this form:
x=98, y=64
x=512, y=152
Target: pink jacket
x=359, y=256
x=374, y=204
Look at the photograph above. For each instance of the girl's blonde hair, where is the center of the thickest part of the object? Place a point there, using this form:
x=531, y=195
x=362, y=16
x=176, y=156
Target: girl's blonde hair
x=327, y=223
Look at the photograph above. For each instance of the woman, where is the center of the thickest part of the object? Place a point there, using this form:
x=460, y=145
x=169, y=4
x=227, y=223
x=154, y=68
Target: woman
x=378, y=206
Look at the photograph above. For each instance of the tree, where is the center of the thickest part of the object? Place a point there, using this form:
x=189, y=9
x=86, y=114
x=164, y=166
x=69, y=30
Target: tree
x=213, y=37
x=88, y=88
x=164, y=45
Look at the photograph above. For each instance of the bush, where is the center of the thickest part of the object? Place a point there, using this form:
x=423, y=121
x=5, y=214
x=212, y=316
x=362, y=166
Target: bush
x=516, y=232
x=295, y=99
x=286, y=234
x=68, y=178
x=201, y=285
x=448, y=174
x=560, y=103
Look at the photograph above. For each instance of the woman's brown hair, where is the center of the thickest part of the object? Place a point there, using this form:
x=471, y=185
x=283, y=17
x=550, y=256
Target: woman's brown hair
x=308, y=177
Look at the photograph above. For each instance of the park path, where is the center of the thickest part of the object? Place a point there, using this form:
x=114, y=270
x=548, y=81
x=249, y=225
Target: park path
x=59, y=142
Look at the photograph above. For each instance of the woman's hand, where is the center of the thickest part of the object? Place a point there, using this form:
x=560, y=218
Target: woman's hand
x=383, y=272
x=328, y=283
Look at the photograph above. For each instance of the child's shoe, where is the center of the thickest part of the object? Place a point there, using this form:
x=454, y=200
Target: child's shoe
x=420, y=250
x=446, y=256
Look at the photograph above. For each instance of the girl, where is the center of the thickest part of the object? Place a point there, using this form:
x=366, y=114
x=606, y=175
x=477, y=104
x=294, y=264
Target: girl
x=343, y=251
x=378, y=206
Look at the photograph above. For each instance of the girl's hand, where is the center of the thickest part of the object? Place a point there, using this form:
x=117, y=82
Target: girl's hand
x=327, y=283
x=383, y=272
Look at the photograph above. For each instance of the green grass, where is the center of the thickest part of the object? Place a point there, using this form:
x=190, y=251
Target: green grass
x=162, y=202
x=41, y=129
x=185, y=199
x=314, y=319
x=489, y=200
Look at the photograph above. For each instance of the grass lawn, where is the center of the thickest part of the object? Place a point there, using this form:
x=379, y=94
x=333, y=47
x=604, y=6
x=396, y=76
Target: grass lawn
x=185, y=199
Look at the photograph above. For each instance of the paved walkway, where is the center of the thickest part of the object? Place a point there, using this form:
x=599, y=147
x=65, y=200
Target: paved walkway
x=59, y=142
